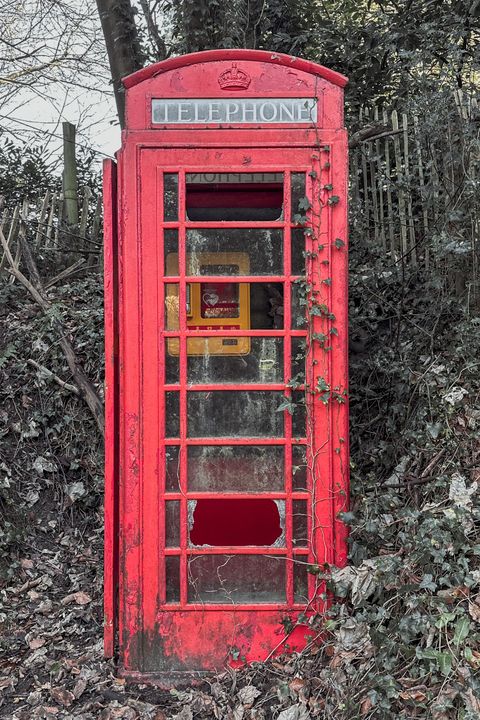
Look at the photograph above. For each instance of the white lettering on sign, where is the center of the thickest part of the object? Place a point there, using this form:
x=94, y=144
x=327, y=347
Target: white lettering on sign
x=241, y=110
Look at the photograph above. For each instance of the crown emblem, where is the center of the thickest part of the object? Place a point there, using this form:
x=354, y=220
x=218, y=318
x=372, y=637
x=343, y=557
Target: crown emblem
x=234, y=79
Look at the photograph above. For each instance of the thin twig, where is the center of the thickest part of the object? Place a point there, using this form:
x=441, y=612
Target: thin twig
x=51, y=375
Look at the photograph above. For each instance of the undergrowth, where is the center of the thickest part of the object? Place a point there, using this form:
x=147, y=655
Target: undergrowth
x=402, y=639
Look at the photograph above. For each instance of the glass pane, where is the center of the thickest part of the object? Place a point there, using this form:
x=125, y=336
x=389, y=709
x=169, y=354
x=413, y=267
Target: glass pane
x=171, y=308
x=226, y=413
x=235, y=251
x=234, y=196
x=298, y=251
x=172, y=523
x=172, y=414
x=172, y=361
x=299, y=303
x=235, y=468
x=231, y=579
x=300, y=580
x=172, y=469
x=298, y=197
x=221, y=522
x=299, y=468
x=172, y=578
x=299, y=417
x=170, y=196
x=258, y=306
x=299, y=345
x=170, y=249
x=300, y=523
x=261, y=361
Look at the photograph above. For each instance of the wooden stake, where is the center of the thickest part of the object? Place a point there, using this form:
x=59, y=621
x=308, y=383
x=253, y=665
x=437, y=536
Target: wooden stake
x=70, y=184
x=391, y=231
x=400, y=191
x=421, y=179
x=411, y=227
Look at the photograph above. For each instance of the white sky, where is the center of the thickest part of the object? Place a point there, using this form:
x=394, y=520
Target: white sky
x=77, y=90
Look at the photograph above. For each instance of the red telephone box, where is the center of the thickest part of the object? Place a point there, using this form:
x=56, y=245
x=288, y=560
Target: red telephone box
x=226, y=360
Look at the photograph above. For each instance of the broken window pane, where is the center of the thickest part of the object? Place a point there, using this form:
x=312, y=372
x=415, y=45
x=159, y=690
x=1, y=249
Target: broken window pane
x=234, y=251
x=246, y=521
x=227, y=413
x=300, y=523
x=228, y=579
x=172, y=523
x=235, y=468
x=172, y=578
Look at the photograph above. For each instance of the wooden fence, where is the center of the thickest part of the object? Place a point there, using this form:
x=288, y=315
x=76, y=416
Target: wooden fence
x=409, y=196
x=408, y=188
x=42, y=224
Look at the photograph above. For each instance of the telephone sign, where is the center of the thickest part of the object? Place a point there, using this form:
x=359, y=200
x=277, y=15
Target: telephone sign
x=239, y=110
x=226, y=448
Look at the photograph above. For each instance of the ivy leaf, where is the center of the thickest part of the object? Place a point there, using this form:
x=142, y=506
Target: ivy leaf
x=334, y=200
x=444, y=661
x=287, y=405
x=427, y=583
x=462, y=628
x=304, y=204
x=299, y=219
x=322, y=384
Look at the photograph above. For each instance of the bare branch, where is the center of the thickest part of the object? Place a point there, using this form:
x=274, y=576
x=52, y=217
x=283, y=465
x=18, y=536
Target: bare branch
x=51, y=376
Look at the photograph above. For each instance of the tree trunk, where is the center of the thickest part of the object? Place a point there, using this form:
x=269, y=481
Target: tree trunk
x=123, y=48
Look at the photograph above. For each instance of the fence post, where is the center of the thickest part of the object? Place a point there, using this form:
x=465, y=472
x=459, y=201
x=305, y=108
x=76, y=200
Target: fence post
x=70, y=185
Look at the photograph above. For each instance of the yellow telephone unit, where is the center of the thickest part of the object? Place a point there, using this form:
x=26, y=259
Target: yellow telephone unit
x=211, y=305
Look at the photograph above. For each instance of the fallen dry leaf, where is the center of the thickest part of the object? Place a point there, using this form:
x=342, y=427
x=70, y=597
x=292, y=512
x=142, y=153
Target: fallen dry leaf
x=474, y=609
x=365, y=706
x=80, y=687
x=248, y=694
x=62, y=696
x=36, y=643
x=416, y=694
x=450, y=595
x=79, y=598
x=296, y=684
x=295, y=712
